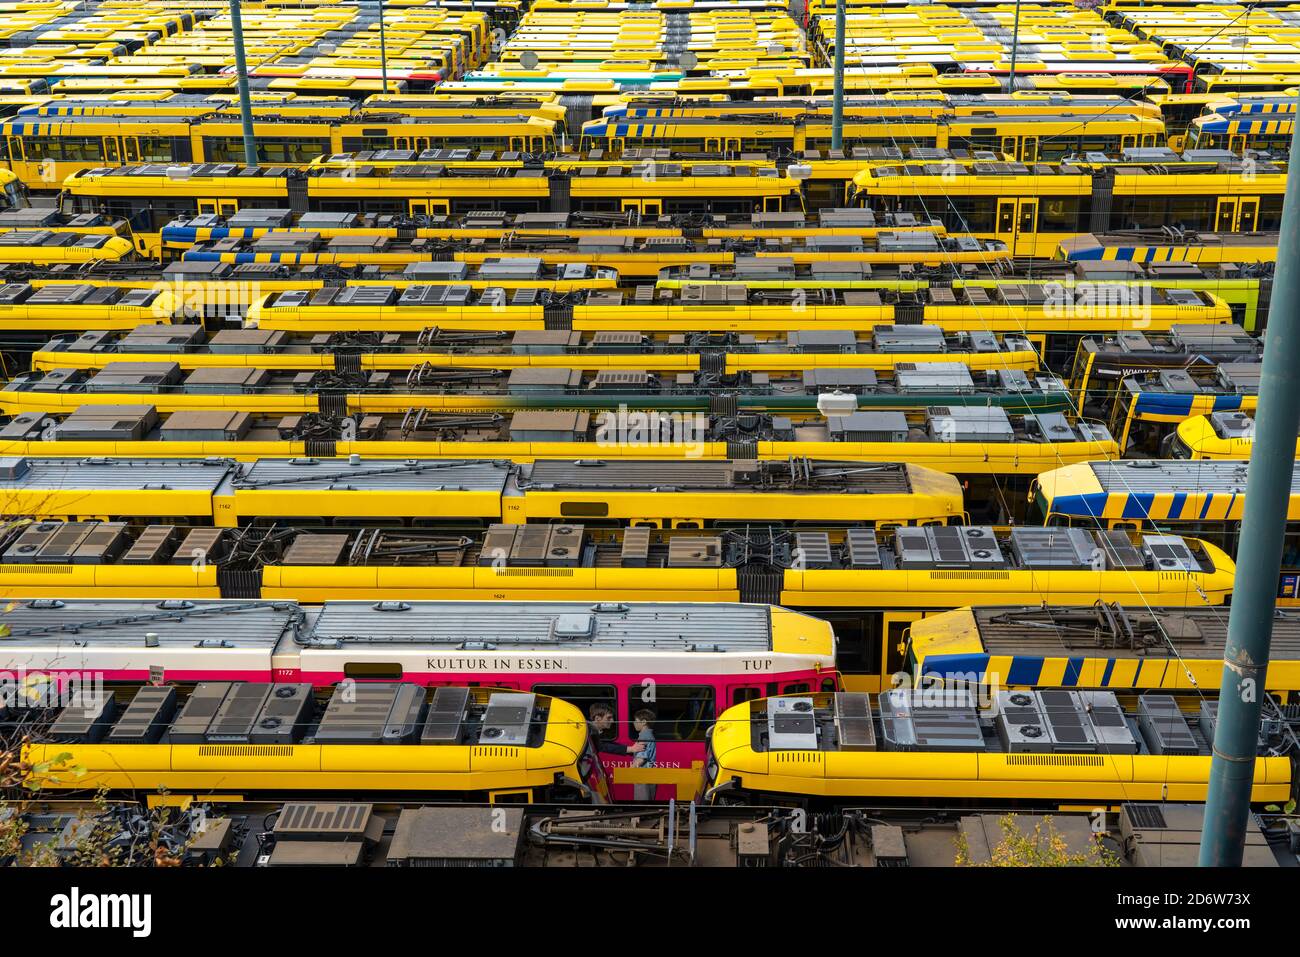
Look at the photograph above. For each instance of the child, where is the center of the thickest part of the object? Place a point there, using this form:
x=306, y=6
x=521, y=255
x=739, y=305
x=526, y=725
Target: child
x=645, y=736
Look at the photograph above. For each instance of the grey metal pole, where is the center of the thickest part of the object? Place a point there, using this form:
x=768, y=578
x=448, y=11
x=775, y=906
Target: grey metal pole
x=241, y=79
x=1259, y=555
x=837, y=106
x=1015, y=49
x=383, y=49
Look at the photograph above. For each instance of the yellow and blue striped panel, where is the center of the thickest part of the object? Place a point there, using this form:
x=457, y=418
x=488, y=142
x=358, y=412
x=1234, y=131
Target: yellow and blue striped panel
x=1156, y=254
x=1167, y=407
x=194, y=234
x=1075, y=671
x=1156, y=506
x=1236, y=125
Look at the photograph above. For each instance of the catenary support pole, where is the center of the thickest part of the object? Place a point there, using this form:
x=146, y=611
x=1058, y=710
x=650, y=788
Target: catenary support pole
x=837, y=106
x=1259, y=555
x=1015, y=49
x=383, y=49
x=241, y=79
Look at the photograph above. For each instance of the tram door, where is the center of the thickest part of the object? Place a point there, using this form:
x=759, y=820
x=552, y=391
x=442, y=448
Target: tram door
x=428, y=207
x=722, y=144
x=218, y=206
x=646, y=207
x=15, y=151
x=1237, y=214
x=1017, y=220
x=1021, y=148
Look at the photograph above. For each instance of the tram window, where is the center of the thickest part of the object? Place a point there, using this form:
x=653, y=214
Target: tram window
x=741, y=695
x=462, y=206
x=977, y=216
x=1132, y=211
x=1100, y=143
x=895, y=662
x=64, y=147
x=1059, y=214
x=973, y=222
x=992, y=143
x=1052, y=150
x=83, y=148
x=269, y=150
x=1291, y=549
x=169, y=209
x=1270, y=213
x=219, y=149
x=822, y=193
x=796, y=687
x=355, y=144
x=1006, y=217
x=720, y=206
x=287, y=151
x=158, y=149
x=373, y=670
x=857, y=641
x=583, y=697
x=292, y=151
x=1191, y=212
x=584, y=509
x=364, y=204
x=518, y=206
x=345, y=206
x=682, y=712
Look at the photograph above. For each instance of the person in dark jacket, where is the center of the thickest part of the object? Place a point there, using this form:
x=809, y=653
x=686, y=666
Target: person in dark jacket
x=602, y=719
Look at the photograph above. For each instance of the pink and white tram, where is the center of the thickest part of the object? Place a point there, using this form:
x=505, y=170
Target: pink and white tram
x=684, y=662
